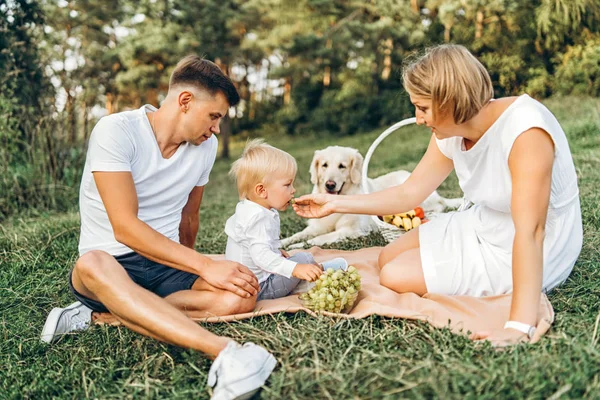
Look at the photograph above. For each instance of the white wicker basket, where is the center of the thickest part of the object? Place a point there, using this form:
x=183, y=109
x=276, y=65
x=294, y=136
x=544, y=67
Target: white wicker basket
x=389, y=231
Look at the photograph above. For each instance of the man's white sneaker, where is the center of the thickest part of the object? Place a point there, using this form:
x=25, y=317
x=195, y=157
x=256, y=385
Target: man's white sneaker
x=64, y=320
x=239, y=371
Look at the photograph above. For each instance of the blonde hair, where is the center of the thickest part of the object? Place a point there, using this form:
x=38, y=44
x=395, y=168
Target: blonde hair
x=452, y=78
x=260, y=162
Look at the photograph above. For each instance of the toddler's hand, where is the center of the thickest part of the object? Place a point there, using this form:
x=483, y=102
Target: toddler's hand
x=284, y=253
x=307, y=272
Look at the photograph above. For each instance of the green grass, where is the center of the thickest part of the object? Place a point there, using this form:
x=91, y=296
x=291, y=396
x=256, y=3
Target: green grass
x=319, y=358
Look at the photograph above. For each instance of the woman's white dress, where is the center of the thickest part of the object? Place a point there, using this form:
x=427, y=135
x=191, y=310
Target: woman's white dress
x=470, y=252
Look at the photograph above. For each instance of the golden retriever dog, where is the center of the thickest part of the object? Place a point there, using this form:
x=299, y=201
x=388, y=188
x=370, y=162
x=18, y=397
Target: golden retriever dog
x=337, y=170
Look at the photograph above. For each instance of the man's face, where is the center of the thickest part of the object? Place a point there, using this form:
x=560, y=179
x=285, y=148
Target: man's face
x=203, y=117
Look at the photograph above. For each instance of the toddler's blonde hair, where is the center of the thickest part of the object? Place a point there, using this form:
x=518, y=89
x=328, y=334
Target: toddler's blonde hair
x=452, y=78
x=258, y=164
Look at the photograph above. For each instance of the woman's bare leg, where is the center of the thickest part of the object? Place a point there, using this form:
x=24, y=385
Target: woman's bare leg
x=408, y=241
x=404, y=274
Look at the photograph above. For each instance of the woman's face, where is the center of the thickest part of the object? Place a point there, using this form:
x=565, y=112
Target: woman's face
x=441, y=126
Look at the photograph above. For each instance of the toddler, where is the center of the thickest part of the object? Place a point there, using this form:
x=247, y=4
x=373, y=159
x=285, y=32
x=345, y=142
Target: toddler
x=265, y=181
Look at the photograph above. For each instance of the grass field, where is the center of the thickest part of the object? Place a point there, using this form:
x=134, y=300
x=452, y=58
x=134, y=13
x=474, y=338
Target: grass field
x=319, y=358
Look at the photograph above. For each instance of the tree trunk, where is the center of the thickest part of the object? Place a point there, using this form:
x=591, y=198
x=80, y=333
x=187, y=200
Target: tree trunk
x=447, y=29
x=414, y=4
x=225, y=136
x=71, y=118
x=287, y=91
x=109, y=105
x=225, y=122
x=327, y=76
x=85, y=122
x=387, y=61
x=327, y=73
x=252, y=106
x=479, y=25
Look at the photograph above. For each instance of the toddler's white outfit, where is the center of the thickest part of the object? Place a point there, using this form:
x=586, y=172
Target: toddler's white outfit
x=253, y=240
x=470, y=252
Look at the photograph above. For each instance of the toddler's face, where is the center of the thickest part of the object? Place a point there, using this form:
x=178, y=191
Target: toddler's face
x=280, y=190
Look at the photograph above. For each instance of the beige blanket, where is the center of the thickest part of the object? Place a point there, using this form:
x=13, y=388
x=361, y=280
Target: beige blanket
x=458, y=313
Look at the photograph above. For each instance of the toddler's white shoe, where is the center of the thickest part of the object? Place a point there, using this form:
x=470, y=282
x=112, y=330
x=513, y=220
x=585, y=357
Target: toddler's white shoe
x=335, y=264
x=238, y=372
x=64, y=320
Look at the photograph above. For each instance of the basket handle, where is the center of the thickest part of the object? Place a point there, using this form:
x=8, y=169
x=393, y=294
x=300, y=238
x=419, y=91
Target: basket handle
x=386, y=133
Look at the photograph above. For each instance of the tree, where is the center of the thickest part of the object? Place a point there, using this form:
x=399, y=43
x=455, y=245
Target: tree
x=80, y=32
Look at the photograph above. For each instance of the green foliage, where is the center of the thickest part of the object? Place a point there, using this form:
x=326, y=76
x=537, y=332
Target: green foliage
x=31, y=173
x=504, y=70
x=579, y=69
x=566, y=21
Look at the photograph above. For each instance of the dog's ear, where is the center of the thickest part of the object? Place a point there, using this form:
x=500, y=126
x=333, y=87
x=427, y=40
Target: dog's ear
x=314, y=168
x=356, y=168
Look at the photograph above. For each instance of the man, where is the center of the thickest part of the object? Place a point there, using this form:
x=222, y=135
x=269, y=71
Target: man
x=140, y=196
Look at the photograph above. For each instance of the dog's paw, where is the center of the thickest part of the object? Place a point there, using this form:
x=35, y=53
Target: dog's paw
x=296, y=246
x=286, y=242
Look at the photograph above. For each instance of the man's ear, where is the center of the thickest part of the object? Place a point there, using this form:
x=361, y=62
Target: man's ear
x=185, y=100
x=260, y=190
x=356, y=168
x=314, y=168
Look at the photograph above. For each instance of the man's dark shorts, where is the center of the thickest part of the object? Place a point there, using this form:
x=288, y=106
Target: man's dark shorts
x=150, y=275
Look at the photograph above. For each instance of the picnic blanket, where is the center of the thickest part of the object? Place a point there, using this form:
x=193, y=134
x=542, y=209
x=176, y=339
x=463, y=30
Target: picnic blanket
x=458, y=313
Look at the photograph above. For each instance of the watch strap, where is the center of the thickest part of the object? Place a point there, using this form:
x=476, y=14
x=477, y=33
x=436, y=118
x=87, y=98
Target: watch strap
x=521, y=327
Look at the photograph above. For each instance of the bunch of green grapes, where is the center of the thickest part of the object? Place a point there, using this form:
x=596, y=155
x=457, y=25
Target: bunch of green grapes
x=334, y=291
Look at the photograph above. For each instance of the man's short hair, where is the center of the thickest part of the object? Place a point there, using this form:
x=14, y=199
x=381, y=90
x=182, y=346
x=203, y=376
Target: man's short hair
x=206, y=75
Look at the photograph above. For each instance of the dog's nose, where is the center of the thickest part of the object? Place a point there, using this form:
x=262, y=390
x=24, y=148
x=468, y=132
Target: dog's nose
x=330, y=185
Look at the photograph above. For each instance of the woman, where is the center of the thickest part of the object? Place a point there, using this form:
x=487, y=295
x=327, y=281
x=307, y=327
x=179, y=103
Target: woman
x=523, y=233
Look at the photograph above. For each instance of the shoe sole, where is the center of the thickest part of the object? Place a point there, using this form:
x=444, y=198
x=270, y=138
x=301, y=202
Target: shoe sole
x=251, y=390
x=337, y=264
x=49, y=330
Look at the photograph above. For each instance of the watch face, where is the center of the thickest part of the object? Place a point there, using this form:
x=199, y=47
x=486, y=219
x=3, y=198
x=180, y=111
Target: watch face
x=531, y=332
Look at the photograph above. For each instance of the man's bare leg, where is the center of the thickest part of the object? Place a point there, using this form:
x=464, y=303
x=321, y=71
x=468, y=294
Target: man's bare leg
x=98, y=276
x=204, y=301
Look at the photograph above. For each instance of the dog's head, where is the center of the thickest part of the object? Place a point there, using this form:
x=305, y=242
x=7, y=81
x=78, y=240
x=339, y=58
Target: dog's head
x=336, y=170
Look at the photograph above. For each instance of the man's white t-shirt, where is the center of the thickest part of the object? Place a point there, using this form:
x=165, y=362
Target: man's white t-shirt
x=125, y=142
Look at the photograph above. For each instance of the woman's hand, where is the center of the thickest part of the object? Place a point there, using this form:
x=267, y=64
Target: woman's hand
x=314, y=205
x=500, y=337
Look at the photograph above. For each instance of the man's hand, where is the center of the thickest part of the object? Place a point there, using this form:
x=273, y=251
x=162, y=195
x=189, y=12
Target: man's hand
x=501, y=337
x=314, y=205
x=231, y=276
x=307, y=272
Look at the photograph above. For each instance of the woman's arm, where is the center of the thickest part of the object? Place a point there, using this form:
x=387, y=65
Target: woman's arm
x=530, y=164
x=431, y=171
